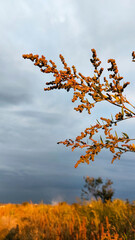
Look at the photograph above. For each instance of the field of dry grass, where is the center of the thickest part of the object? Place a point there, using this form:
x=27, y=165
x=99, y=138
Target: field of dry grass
x=94, y=220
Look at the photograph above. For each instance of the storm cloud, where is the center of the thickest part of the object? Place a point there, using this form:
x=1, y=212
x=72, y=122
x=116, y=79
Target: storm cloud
x=32, y=165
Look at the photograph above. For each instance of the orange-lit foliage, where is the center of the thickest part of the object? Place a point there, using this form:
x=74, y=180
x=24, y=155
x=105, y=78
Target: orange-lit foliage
x=91, y=90
x=92, y=221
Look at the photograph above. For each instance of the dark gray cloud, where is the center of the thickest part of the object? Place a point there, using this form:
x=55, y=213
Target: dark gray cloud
x=13, y=98
x=37, y=178
x=32, y=165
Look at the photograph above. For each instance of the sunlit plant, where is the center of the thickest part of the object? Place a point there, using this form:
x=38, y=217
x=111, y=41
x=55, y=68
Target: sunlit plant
x=90, y=91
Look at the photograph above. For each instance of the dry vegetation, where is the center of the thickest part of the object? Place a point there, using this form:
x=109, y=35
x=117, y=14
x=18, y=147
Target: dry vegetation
x=94, y=220
x=90, y=91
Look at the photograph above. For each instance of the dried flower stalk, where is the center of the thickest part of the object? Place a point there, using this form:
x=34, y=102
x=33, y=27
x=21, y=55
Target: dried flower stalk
x=84, y=88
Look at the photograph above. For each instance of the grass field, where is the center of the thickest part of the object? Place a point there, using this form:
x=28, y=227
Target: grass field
x=93, y=220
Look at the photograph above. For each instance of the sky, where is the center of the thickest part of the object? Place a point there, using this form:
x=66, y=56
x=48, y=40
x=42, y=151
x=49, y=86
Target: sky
x=33, y=167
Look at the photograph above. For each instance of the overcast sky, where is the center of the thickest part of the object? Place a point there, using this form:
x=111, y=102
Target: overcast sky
x=32, y=165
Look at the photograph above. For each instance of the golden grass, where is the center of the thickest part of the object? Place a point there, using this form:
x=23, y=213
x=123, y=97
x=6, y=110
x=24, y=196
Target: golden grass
x=92, y=221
